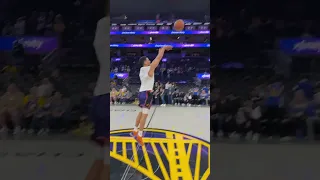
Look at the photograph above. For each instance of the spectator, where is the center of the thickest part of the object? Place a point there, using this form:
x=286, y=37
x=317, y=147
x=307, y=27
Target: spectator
x=7, y=30
x=49, y=24
x=40, y=122
x=31, y=103
x=11, y=104
x=170, y=91
x=203, y=97
x=162, y=95
x=59, y=25
x=114, y=96
x=274, y=111
x=156, y=95
x=298, y=108
x=57, y=82
x=59, y=106
x=45, y=88
x=19, y=27
x=41, y=23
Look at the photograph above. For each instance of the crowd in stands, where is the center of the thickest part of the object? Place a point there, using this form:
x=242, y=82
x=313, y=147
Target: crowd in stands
x=42, y=106
x=268, y=107
x=37, y=100
x=37, y=24
x=172, y=69
x=272, y=94
x=177, y=85
x=164, y=93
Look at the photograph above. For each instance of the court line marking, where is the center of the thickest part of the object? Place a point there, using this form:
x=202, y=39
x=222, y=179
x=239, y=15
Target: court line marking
x=129, y=167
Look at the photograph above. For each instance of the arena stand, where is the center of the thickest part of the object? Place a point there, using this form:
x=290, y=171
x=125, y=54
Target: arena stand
x=54, y=73
x=254, y=52
x=179, y=76
x=46, y=77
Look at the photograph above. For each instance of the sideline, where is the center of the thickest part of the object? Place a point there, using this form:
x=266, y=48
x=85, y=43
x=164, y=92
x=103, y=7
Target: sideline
x=49, y=160
x=265, y=161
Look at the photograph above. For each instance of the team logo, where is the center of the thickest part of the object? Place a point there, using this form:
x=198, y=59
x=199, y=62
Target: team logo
x=167, y=155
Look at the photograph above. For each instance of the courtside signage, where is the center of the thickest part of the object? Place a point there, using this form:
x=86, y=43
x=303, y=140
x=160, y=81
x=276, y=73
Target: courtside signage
x=300, y=46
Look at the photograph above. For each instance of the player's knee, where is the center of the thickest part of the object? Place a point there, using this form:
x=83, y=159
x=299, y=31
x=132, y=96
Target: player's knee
x=145, y=111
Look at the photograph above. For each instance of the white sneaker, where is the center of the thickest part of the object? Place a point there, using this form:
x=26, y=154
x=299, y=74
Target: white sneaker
x=164, y=105
x=175, y=104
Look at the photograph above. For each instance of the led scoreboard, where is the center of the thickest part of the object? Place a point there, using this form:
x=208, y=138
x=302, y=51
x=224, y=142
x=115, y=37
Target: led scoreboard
x=159, y=28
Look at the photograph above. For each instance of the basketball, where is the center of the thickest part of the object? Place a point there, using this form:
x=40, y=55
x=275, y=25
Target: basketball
x=178, y=25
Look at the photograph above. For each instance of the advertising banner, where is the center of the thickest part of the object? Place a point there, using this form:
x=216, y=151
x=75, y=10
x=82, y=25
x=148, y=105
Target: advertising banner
x=157, y=32
x=300, y=46
x=33, y=45
x=175, y=45
x=203, y=76
x=119, y=75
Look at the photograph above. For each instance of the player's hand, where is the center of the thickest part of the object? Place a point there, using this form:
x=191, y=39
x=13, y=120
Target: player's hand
x=167, y=48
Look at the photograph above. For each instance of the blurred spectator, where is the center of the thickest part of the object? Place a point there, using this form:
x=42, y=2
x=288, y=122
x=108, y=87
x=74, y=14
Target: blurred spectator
x=41, y=23
x=11, y=104
x=8, y=29
x=31, y=103
x=20, y=26
x=59, y=106
x=59, y=25
x=45, y=89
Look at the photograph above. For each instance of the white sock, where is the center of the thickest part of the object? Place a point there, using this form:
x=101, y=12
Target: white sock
x=140, y=133
x=135, y=129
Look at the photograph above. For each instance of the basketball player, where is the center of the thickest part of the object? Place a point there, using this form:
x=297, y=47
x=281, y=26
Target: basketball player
x=100, y=170
x=145, y=93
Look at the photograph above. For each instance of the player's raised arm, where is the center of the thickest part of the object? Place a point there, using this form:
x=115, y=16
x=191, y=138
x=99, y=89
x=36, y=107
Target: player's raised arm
x=157, y=60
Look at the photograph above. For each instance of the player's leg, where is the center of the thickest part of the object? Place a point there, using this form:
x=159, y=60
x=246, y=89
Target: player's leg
x=144, y=115
x=142, y=100
x=96, y=167
x=145, y=111
x=100, y=169
x=105, y=169
x=100, y=117
x=136, y=126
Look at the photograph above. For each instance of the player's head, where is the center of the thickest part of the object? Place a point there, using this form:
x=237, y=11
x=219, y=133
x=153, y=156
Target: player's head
x=144, y=61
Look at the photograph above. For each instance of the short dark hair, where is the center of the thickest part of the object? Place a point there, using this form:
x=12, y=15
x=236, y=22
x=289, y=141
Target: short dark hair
x=142, y=60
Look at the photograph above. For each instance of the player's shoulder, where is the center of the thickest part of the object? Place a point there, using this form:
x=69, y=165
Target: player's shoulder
x=145, y=68
x=104, y=21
